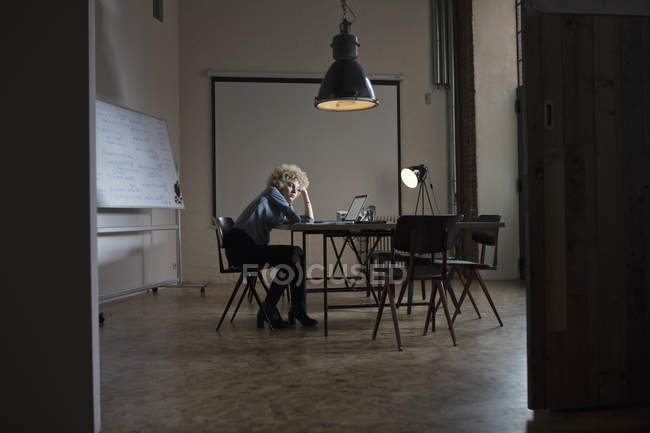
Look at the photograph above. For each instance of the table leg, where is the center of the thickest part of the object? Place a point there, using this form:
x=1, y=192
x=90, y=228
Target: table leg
x=360, y=260
x=325, y=283
x=338, y=261
x=367, y=269
x=409, y=297
x=304, y=257
x=304, y=264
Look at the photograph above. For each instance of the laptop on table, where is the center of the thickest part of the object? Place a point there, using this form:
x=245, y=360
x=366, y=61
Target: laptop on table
x=355, y=208
x=353, y=211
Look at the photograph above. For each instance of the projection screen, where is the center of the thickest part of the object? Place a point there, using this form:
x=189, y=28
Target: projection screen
x=260, y=123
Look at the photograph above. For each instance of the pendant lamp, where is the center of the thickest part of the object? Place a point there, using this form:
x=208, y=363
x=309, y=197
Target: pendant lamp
x=345, y=86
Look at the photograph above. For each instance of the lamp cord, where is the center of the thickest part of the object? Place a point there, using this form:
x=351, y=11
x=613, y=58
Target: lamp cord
x=433, y=193
x=346, y=8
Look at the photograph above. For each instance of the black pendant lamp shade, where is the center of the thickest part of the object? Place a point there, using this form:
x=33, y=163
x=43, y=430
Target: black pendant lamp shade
x=345, y=86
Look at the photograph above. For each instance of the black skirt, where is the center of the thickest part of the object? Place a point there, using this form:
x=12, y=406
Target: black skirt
x=241, y=250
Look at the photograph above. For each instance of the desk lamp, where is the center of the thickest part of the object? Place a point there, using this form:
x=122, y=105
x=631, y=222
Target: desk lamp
x=415, y=176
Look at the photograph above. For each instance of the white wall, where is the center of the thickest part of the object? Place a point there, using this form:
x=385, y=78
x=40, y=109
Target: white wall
x=138, y=68
x=144, y=65
x=496, y=124
x=293, y=36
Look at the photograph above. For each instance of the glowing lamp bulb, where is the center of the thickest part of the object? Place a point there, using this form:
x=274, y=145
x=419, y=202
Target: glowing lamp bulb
x=409, y=177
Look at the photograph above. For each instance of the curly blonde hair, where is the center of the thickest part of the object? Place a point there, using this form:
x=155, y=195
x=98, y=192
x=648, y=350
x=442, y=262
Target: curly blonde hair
x=287, y=173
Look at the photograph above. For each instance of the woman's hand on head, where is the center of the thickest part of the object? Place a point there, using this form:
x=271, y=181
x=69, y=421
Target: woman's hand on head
x=308, y=209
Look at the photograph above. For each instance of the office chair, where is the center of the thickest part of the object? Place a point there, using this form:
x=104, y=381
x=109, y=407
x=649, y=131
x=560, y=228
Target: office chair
x=251, y=273
x=419, y=235
x=467, y=270
x=387, y=253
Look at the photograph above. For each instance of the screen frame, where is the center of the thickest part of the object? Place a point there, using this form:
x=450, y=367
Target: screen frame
x=261, y=79
x=356, y=199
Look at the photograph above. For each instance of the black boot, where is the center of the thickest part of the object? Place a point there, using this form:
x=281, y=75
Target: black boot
x=300, y=314
x=274, y=317
x=298, y=310
x=272, y=298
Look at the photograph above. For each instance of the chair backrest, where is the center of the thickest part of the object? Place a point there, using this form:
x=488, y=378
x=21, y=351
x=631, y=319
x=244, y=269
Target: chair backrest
x=423, y=234
x=224, y=224
x=486, y=237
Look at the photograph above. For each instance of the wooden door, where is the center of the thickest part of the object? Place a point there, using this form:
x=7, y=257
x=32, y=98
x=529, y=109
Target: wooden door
x=587, y=125
x=522, y=184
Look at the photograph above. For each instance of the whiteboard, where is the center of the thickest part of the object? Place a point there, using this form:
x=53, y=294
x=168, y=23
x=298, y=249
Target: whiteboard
x=260, y=125
x=135, y=164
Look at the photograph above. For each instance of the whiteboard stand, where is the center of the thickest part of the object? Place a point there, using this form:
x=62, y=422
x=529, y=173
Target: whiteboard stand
x=179, y=262
x=154, y=286
x=135, y=169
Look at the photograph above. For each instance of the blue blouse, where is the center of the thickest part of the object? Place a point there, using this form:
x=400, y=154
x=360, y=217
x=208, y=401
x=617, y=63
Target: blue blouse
x=267, y=210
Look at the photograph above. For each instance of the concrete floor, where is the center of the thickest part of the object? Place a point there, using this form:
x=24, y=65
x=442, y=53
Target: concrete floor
x=165, y=369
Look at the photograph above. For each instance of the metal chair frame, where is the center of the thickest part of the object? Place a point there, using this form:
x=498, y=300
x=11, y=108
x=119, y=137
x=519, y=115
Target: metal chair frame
x=468, y=270
x=420, y=235
x=251, y=272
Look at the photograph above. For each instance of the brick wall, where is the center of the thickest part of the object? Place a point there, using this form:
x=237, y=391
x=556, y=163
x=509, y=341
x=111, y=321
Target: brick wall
x=465, y=120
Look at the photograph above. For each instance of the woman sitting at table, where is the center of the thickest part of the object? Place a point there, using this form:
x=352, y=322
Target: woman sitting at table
x=247, y=242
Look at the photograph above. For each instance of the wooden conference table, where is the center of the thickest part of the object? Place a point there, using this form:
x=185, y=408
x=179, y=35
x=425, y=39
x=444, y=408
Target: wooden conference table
x=374, y=230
